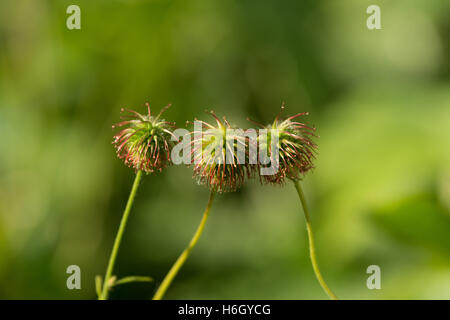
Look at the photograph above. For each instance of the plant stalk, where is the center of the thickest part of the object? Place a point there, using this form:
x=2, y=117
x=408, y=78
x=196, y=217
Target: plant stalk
x=185, y=254
x=312, y=250
x=115, y=249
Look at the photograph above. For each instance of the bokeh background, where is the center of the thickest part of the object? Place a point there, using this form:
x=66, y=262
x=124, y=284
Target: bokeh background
x=380, y=193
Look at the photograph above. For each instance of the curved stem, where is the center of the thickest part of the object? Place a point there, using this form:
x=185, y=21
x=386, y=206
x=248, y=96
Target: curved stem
x=312, y=250
x=115, y=249
x=182, y=258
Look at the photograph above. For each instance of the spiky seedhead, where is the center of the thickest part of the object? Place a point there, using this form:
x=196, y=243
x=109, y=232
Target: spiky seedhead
x=296, y=149
x=217, y=161
x=145, y=144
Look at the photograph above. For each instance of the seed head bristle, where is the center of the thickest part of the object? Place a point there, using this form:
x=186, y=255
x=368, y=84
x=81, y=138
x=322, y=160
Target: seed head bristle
x=145, y=142
x=217, y=163
x=296, y=149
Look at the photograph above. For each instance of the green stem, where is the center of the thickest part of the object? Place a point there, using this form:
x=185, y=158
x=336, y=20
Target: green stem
x=115, y=249
x=182, y=258
x=312, y=250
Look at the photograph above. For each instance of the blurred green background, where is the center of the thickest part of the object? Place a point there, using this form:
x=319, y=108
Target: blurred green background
x=380, y=193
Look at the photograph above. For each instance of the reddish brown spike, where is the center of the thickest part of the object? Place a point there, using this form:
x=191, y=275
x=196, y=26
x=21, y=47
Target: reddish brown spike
x=226, y=122
x=162, y=111
x=279, y=113
x=149, y=110
x=257, y=123
x=298, y=115
x=219, y=123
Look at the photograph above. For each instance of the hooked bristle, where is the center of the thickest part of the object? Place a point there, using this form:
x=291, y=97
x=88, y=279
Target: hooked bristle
x=296, y=150
x=216, y=170
x=141, y=146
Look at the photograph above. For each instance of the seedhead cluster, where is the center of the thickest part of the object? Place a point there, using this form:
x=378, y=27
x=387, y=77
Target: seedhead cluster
x=296, y=150
x=221, y=154
x=217, y=162
x=145, y=143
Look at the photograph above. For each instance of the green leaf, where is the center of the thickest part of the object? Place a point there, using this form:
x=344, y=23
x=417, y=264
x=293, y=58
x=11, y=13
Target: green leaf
x=133, y=279
x=98, y=285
